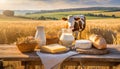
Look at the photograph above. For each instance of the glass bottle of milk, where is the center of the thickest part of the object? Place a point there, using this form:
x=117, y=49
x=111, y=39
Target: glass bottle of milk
x=40, y=35
x=66, y=37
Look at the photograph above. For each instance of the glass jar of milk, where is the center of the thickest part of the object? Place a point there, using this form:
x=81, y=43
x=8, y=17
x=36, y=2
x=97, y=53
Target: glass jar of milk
x=66, y=37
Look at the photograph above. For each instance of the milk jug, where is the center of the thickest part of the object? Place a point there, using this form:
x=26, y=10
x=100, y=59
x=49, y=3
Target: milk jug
x=40, y=35
x=66, y=37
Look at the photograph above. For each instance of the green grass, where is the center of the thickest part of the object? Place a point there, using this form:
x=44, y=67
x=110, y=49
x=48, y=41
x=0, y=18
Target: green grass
x=110, y=13
x=59, y=15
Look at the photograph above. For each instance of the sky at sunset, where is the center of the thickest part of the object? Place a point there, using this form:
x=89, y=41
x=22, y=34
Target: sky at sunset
x=55, y=4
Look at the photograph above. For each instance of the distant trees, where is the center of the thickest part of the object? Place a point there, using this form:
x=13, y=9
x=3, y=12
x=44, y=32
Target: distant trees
x=44, y=18
x=100, y=15
x=8, y=13
x=39, y=18
x=113, y=16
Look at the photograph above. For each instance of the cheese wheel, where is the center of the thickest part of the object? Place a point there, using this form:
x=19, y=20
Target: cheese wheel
x=83, y=44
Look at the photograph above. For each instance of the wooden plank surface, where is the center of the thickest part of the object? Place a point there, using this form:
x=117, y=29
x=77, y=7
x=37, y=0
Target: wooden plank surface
x=113, y=56
x=11, y=53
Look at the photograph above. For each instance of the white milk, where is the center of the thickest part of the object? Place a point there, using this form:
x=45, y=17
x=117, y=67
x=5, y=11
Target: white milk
x=66, y=38
x=40, y=35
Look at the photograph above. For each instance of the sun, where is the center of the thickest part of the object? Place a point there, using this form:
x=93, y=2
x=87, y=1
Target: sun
x=2, y=1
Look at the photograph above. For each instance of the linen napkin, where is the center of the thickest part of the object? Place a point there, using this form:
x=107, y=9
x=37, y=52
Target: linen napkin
x=53, y=61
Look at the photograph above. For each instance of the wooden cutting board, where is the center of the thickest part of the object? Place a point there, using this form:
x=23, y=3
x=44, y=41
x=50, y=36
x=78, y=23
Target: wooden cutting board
x=93, y=51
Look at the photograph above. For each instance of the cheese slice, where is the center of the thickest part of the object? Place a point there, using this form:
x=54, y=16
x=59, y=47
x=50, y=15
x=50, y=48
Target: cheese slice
x=53, y=48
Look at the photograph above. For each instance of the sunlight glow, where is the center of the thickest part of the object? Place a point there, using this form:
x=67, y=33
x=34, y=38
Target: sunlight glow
x=2, y=1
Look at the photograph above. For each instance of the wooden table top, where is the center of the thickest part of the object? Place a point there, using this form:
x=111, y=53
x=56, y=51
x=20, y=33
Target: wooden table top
x=11, y=53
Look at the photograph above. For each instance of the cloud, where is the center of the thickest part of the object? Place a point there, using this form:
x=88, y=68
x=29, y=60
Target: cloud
x=55, y=4
x=101, y=1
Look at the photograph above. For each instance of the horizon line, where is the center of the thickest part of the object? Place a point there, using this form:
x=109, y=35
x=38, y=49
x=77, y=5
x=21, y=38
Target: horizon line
x=63, y=8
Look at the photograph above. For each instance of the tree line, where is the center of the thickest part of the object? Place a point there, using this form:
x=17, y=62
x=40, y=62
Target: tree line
x=101, y=15
x=79, y=9
x=39, y=18
x=55, y=18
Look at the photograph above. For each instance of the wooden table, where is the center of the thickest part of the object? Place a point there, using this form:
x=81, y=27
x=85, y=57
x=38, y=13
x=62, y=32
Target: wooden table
x=11, y=53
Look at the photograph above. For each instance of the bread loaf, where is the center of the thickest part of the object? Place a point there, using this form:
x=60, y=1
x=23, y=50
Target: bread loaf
x=98, y=41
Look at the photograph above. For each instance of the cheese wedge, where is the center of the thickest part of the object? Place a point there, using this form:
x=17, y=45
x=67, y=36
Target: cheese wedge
x=53, y=48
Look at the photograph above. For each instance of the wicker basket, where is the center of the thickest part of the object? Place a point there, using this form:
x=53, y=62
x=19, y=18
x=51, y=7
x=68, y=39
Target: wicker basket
x=26, y=47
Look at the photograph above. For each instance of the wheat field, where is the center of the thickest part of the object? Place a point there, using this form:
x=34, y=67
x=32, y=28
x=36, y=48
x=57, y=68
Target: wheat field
x=11, y=30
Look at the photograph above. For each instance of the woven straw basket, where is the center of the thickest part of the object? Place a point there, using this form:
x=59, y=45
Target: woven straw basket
x=26, y=47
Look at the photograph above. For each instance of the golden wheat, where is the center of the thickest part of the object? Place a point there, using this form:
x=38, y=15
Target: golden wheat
x=11, y=30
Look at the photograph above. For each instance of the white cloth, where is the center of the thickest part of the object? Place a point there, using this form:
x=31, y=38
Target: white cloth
x=53, y=61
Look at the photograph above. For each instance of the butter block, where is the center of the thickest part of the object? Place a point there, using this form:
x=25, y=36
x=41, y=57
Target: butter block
x=53, y=48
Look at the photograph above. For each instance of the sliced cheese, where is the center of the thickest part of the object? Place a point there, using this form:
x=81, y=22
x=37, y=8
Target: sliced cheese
x=53, y=48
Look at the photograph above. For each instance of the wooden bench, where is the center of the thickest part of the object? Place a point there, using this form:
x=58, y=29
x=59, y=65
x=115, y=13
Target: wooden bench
x=29, y=60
